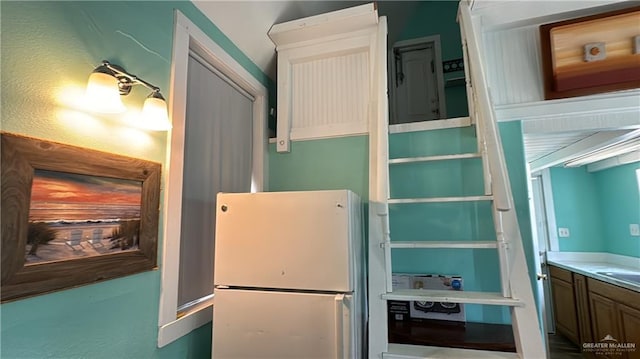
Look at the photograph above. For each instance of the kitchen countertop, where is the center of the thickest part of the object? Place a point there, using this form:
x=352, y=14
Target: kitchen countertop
x=589, y=264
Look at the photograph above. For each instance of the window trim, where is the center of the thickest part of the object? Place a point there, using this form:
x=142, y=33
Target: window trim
x=188, y=37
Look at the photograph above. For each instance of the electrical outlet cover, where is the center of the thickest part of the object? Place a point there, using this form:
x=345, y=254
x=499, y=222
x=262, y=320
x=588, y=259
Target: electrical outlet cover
x=563, y=232
x=595, y=51
x=634, y=229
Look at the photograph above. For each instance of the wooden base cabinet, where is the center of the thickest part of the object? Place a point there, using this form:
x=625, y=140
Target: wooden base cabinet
x=615, y=311
x=629, y=323
x=564, y=304
x=587, y=310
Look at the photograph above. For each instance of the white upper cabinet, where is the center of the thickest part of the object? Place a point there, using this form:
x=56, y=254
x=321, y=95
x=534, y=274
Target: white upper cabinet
x=326, y=74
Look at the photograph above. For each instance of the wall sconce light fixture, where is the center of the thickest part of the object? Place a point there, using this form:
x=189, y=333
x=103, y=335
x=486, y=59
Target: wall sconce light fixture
x=108, y=82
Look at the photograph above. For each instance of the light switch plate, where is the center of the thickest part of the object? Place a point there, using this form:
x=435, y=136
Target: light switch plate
x=634, y=229
x=563, y=232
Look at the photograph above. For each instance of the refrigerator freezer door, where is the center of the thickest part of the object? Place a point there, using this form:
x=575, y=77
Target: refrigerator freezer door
x=288, y=240
x=259, y=324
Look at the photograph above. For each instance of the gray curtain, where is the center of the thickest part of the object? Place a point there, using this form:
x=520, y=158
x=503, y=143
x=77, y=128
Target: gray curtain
x=217, y=158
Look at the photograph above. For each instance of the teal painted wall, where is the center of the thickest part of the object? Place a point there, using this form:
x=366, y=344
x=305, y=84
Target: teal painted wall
x=514, y=153
x=113, y=319
x=619, y=197
x=455, y=221
x=577, y=207
x=465, y=221
x=337, y=163
x=342, y=163
x=48, y=50
x=326, y=164
x=439, y=18
x=597, y=208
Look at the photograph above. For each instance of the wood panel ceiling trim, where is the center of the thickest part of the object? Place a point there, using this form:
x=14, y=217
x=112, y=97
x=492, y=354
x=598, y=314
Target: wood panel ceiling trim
x=579, y=148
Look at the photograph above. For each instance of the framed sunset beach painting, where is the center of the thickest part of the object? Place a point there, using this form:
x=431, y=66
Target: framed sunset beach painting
x=73, y=216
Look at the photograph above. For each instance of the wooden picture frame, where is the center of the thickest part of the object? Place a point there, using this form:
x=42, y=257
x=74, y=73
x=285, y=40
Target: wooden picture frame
x=565, y=68
x=26, y=160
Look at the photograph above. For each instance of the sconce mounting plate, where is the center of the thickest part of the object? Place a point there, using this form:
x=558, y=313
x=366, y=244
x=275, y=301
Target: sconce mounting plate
x=124, y=85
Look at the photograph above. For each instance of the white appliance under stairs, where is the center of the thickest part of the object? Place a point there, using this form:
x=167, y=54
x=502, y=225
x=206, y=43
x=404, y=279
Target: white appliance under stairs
x=516, y=291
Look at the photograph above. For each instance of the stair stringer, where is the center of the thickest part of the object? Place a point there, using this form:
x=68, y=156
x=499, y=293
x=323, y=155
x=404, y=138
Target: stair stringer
x=515, y=277
x=516, y=282
x=527, y=331
x=378, y=195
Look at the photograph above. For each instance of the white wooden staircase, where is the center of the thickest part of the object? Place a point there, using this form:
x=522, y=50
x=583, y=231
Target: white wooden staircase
x=515, y=282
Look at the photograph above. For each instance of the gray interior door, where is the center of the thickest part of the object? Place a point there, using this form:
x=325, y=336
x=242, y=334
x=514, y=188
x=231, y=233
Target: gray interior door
x=416, y=85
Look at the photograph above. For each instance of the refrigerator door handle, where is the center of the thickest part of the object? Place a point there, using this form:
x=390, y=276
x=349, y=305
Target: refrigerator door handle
x=339, y=301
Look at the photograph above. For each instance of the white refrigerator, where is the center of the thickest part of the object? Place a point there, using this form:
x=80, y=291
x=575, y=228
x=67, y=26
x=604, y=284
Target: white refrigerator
x=289, y=280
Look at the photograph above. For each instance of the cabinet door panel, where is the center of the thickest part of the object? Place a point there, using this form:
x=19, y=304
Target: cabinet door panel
x=582, y=307
x=603, y=317
x=565, y=309
x=629, y=319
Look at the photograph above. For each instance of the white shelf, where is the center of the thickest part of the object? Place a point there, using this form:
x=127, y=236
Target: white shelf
x=434, y=158
x=601, y=111
x=455, y=122
x=444, y=244
x=452, y=296
x=440, y=199
x=336, y=23
x=513, y=14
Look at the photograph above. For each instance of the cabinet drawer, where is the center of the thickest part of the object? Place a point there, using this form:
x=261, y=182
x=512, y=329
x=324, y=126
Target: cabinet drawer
x=619, y=294
x=561, y=274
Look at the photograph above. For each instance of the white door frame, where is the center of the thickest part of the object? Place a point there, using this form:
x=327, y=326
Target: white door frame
x=534, y=187
x=188, y=37
x=435, y=39
x=550, y=237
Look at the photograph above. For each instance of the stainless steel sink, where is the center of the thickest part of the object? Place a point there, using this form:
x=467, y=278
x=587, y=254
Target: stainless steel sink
x=627, y=277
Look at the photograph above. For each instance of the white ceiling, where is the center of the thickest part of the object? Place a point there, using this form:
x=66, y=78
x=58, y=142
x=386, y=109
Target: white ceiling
x=247, y=23
x=550, y=149
x=539, y=146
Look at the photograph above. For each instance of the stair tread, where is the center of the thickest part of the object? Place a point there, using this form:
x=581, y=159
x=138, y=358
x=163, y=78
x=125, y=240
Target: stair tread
x=440, y=199
x=451, y=296
x=434, y=158
x=444, y=244
x=407, y=351
x=456, y=122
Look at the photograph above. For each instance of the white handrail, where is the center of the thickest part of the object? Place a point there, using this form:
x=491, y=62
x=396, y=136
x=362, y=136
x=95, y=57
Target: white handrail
x=513, y=263
x=499, y=177
x=378, y=195
x=505, y=219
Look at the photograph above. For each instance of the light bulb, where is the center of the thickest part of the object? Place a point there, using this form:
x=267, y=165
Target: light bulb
x=154, y=113
x=102, y=94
